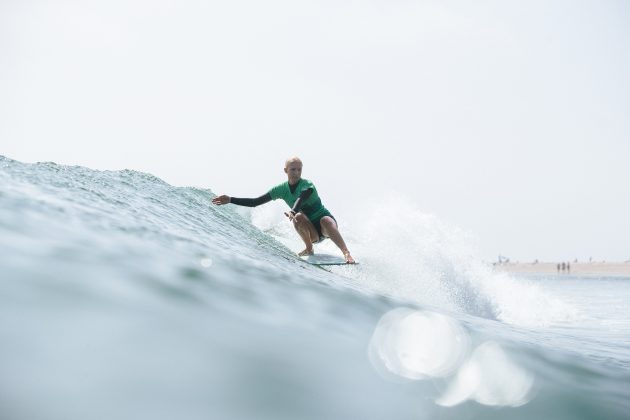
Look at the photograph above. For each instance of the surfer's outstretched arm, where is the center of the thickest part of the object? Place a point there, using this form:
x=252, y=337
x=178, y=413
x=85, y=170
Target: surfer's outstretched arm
x=247, y=202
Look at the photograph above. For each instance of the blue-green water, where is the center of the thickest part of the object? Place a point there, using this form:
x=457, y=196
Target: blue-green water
x=122, y=297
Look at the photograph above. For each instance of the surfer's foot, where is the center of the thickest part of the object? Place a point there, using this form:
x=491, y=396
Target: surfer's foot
x=348, y=257
x=306, y=252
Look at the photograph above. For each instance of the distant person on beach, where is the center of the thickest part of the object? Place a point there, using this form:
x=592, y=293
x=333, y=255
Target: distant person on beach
x=558, y=267
x=312, y=221
x=569, y=267
x=563, y=267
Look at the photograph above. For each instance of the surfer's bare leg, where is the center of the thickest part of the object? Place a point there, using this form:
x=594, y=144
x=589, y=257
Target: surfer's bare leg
x=307, y=232
x=329, y=228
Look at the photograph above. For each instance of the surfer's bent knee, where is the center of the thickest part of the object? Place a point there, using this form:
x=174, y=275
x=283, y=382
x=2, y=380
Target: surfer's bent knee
x=328, y=221
x=300, y=218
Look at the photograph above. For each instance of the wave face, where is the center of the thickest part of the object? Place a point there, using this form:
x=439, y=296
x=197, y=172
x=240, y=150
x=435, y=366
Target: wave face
x=123, y=296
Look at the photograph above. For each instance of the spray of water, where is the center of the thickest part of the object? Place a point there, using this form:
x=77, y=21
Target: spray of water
x=414, y=256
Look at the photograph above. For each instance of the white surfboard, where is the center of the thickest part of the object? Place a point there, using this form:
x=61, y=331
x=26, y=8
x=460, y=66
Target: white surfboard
x=324, y=259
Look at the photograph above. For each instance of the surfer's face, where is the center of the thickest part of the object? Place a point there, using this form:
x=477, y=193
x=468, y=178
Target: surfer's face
x=293, y=171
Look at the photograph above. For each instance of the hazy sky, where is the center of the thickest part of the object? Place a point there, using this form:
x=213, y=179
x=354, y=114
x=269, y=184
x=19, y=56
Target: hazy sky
x=509, y=119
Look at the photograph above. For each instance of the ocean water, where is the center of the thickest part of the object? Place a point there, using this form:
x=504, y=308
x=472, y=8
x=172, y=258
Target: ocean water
x=123, y=297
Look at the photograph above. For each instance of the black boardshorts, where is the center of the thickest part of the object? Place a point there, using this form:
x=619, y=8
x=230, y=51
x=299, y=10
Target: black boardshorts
x=318, y=226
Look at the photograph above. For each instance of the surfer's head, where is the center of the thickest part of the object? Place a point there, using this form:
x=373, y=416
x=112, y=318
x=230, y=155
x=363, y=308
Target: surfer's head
x=292, y=159
x=293, y=169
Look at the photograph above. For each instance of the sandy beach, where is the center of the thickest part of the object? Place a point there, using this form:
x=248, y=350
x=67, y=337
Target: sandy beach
x=617, y=269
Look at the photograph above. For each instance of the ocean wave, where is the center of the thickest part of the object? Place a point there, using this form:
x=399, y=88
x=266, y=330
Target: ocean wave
x=125, y=296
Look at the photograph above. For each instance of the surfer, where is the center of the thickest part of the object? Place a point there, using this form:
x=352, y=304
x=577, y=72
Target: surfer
x=312, y=221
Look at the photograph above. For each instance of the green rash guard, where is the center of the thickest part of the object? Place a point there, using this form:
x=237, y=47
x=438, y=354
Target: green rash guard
x=312, y=206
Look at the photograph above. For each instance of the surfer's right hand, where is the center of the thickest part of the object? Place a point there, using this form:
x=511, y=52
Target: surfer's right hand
x=221, y=199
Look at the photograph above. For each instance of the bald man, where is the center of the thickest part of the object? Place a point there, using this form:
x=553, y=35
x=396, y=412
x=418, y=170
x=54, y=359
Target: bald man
x=312, y=221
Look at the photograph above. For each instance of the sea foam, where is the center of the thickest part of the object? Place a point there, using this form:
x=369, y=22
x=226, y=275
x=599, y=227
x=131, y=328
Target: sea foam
x=414, y=256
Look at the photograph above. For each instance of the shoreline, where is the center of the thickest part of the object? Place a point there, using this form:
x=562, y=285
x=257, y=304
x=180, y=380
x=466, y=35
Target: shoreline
x=608, y=269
